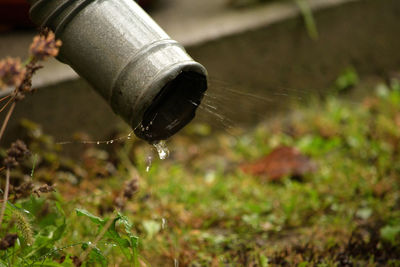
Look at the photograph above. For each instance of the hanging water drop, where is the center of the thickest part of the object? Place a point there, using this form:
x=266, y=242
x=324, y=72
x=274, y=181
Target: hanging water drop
x=149, y=160
x=162, y=150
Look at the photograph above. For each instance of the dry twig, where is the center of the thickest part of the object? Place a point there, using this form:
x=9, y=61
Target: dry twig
x=14, y=73
x=5, y=196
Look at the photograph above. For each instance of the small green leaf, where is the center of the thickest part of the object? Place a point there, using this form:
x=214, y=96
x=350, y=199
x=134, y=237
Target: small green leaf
x=263, y=261
x=97, y=256
x=97, y=220
x=390, y=233
x=347, y=79
x=123, y=243
x=85, y=246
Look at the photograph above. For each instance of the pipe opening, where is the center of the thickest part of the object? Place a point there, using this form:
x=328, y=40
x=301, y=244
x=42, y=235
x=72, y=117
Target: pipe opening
x=173, y=108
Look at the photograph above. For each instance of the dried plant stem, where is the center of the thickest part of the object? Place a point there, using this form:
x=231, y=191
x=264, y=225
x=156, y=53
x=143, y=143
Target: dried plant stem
x=3, y=127
x=4, y=98
x=6, y=104
x=5, y=197
x=98, y=238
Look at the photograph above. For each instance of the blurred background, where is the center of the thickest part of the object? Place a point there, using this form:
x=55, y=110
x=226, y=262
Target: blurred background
x=293, y=158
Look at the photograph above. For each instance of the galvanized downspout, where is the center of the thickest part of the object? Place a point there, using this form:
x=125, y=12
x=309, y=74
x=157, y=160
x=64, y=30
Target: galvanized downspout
x=147, y=78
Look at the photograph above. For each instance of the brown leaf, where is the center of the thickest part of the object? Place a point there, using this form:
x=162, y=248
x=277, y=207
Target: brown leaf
x=76, y=261
x=44, y=189
x=282, y=161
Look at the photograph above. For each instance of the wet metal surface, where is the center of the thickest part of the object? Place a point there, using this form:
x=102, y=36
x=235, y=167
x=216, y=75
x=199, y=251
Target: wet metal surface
x=122, y=53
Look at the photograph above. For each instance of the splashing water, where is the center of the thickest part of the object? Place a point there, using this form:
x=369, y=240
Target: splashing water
x=162, y=150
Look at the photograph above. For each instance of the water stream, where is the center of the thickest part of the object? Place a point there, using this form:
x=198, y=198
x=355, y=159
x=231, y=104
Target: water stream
x=162, y=149
x=149, y=161
x=224, y=107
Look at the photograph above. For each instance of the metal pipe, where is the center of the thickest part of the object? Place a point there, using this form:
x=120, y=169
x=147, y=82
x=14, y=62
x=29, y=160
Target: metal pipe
x=146, y=77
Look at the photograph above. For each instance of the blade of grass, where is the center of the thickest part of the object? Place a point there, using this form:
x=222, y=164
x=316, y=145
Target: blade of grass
x=308, y=19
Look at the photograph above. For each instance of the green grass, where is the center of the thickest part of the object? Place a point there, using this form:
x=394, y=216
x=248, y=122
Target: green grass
x=198, y=208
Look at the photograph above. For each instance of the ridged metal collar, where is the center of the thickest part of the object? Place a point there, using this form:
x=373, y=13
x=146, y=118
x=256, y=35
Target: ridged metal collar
x=45, y=14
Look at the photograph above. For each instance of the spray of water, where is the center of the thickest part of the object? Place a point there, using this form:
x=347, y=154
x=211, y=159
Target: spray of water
x=98, y=142
x=229, y=107
x=225, y=107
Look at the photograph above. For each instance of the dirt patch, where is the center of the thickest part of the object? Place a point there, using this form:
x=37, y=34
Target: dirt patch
x=363, y=245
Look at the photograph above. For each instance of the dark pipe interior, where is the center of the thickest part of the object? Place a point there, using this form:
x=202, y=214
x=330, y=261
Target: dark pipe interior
x=173, y=108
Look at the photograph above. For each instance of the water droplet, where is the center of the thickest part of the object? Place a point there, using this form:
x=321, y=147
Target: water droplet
x=162, y=150
x=149, y=160
x=107, y=142
x=26, y=211
x=112, y=141
x=147, y=128
x=98, y=142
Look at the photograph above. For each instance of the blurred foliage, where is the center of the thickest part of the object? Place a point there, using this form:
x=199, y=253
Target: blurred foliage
x=347, y=79
x=198, y=208
x=303, y=6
